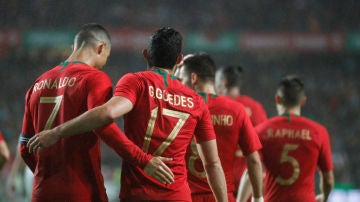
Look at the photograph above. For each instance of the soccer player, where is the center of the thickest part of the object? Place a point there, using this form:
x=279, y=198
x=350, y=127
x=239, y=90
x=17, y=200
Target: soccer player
x=228, y=81
x=4, y=152
x=161, y=116
x=294, y=147
x=70, y=171
x=232, y=127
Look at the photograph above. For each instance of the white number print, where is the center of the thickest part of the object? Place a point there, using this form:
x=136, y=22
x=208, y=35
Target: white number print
x=52, y=100
x=150, y=128
x=285, y=157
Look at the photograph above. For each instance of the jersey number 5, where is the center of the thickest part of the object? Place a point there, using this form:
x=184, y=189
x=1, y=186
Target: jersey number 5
x=55, y=100
x=285, y=157
x=150, y=128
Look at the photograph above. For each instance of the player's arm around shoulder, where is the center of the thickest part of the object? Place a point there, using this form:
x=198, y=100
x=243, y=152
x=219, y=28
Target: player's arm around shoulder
x=94, y=118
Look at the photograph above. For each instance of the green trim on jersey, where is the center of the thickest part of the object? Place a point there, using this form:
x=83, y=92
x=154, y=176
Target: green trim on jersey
x=206, y=95
x=288, y=116
x=66, y=63
x=164, y=74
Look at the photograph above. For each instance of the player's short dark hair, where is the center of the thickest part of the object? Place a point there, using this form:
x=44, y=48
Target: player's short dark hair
x=233, y=75
x=91, y=34
x=291, y=89
x=164, y=48
x=201, y=64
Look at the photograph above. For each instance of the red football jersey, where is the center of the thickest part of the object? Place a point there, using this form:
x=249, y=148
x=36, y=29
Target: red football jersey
x=257, y=115
x=232, y=128
x=165, y=116
x=254, y=109
x=293, y=148
x=70, y=170
x=1, y=137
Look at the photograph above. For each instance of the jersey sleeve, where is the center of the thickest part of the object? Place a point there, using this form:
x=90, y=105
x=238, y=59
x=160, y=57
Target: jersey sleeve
x=27, y=132
x=325, y=160
x=204, y=130
x=119, y=142
x=249, y=140
x=129, y=86
x=100, y=90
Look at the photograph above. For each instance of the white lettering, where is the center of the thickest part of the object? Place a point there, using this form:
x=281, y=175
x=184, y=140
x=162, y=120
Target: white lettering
x=222, y=120
x=57, y=83
x=173, y=99
x=289, y=133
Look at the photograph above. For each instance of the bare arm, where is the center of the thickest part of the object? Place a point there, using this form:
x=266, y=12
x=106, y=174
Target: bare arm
x=17, y=165
x=96, y=117
x=4, y=154
x=255, y=173
x=326, y=185
x=215, y=174
x=244, y=190
x=252, y=176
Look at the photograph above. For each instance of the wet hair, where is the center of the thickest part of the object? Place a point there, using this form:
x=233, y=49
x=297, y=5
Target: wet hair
x=201, y=64
x=90, y=34
x=291, y=89
x=233, y=75
x=164, y=48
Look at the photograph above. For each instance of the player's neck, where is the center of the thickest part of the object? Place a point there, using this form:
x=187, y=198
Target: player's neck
x=82, y=55
x=205, y=88
x=289, y=110
x=233, y=92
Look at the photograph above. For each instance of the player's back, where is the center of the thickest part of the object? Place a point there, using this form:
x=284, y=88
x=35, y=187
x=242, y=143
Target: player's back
x=254, y=109
x=232, y=125
x=70, y=170
x=293, y=147
x=165, y=116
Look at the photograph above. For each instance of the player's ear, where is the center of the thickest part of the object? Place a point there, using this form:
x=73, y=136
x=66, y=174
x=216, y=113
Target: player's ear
x=145, y=53
x=277, y=99
x=194, y=78
x=72, y=47
x=179, y=58
x=100, y=48
x=303, y=100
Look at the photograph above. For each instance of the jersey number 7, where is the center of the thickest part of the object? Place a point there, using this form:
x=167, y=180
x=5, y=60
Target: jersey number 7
x=150, y=128
x=55, y=100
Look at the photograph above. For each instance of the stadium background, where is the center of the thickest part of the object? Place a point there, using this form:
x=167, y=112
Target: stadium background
x=318, y=40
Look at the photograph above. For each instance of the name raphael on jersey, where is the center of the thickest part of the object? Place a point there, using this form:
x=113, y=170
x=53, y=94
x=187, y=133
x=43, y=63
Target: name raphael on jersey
x=56, y=83
x=173, y=99
x=303, y=134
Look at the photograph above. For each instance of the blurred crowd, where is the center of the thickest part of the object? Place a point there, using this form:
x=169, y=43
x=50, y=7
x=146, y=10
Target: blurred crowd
x=254, y=15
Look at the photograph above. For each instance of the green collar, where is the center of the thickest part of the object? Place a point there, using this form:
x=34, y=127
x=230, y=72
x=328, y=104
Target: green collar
x=164, y=74
x=288, y=115
x=66, y=63
x=206, y=96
